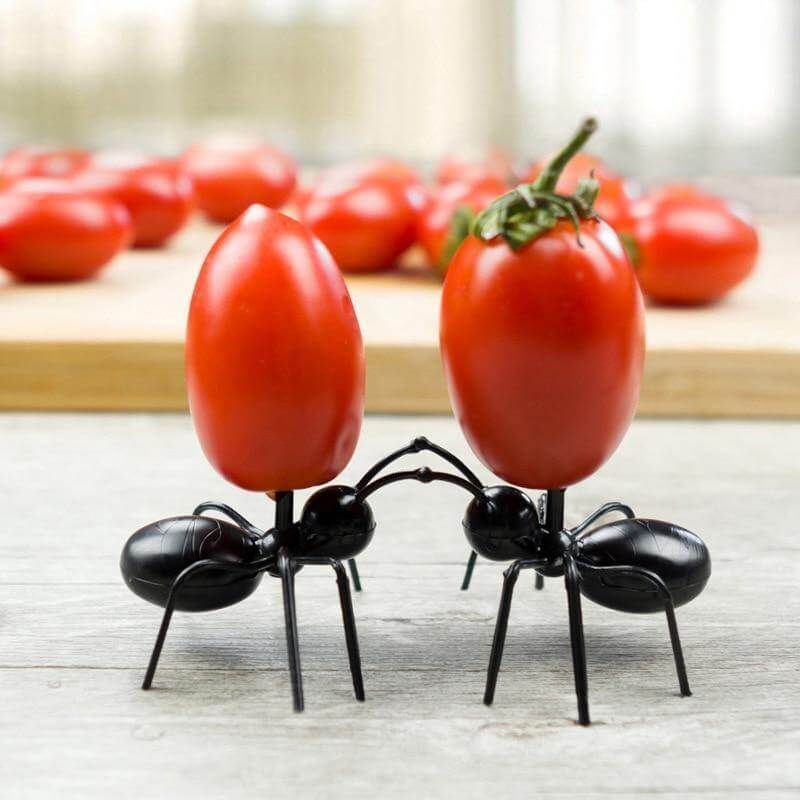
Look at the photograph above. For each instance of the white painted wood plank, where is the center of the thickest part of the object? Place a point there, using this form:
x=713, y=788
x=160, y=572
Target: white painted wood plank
x=74, y=642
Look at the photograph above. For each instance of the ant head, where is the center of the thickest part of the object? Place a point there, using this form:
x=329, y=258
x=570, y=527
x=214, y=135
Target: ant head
x=335, y=523
x=502, y=524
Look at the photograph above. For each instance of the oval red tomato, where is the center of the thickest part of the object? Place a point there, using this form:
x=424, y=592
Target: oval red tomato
x=50, y=232
x=543, y=344
x=613, y=202
x=156, y=192
x=274, y=357
x=365, y=215
x=690, y=248
x=41, y=162
x=229, y=176
x=436, y=221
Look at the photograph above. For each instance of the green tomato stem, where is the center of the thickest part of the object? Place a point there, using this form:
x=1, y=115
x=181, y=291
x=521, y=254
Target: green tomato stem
x=547, y=180
x=532, y=209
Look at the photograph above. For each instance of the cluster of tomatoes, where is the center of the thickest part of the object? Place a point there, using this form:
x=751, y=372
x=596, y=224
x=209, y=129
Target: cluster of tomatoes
x=65, y=213
x=688, y=247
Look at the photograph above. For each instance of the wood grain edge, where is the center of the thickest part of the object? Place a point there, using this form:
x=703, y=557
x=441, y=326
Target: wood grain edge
x=92, y=376
x=721, y=384
x=131, y=376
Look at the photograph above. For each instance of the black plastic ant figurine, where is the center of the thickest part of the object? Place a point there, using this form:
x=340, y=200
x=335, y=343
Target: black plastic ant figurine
x=199, y=563
x=634, y=565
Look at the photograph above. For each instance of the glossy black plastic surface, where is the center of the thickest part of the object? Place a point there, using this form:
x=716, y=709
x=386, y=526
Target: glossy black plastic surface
x=502, y=524
x=677, y=556
x=156, y=554
x=335, y=522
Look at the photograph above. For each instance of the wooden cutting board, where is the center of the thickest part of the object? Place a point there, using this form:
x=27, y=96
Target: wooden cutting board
x=117, y=343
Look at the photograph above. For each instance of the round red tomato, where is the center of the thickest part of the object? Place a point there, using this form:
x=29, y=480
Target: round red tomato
x=229, y=176
x=274, y=357
x=366, y=216
x=40, y=162
x=613, y=202
x=436, y=231
x=156, y=192
x=462, y=165
x=50, y=232
x=689, y=247
x=542, y=339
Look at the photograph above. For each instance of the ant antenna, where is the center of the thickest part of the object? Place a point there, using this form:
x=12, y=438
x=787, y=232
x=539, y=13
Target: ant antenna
x=423, y=475
x=415, y=446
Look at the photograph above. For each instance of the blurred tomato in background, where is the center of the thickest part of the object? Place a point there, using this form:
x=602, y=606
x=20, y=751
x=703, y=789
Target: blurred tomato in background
x=49, y=231
x=231, y=174
x=365, y=212
x=156, y=192
x=690, y=248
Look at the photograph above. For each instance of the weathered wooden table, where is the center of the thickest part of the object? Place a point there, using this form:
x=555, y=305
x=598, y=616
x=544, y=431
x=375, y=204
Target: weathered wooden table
x=74, y=642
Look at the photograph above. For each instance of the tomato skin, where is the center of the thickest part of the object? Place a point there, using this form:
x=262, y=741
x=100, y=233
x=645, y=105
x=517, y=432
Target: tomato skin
x=36, y=162
x=274, y=357
x=492, y=163
x=543, y=352
x=366, y=217
x=435, y=220
x=614, y=201
x=49, y=232
x=691, y=248
x=229, y=176
x=156, y=192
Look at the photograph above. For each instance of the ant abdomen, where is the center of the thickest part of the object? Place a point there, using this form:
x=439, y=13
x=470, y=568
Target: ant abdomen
x=156, y=554
x=502, y=524
x=335, y=523
x=677, y=556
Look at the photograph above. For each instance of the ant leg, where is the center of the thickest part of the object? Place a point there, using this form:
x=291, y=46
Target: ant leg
x=473, y=557
x=349, y=621
x=572, y=580
x=509, y=581
x=669, y=610
x=348, y=618
x=286, y=572
x=351, y=563
x=228, y=512
x=606, y=508
x=198, y=566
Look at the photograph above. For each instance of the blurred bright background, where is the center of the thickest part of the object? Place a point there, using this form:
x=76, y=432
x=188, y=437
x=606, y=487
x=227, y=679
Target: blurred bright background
x=684, y=87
